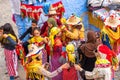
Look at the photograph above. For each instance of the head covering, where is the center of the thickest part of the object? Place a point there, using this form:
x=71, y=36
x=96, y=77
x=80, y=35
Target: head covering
x=34, y=50
x=108, y=54
x=70, y=51
x=54, y=31
x=91, y=45
x=52, y=21
x=113, y=20
x=74, y=20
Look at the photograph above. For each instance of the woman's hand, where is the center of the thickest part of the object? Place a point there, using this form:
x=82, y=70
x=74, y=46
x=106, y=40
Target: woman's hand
x=77, y=67
x=65, y=66
x=19, y=41
x=5, y=35
x=1, y=33
x=46, y=39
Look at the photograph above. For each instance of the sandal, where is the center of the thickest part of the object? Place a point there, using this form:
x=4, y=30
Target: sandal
x=16, y=77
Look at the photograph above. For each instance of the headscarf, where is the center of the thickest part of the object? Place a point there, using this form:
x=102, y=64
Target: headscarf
x=70, y=51
x=53, y=32
x=91, y=45
x=52, y=21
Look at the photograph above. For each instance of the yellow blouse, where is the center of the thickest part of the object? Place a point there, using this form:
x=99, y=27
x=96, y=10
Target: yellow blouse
x=36, y=39
x=113, y=36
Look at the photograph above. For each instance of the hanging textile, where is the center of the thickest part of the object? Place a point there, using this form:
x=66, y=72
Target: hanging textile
x=31, y=11
x=59, y=8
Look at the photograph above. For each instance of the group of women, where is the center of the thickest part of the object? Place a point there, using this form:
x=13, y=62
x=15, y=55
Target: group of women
x=59, y=50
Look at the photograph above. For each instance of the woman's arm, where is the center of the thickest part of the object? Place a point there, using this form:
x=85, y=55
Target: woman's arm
x=54, y=73
x=50, y=74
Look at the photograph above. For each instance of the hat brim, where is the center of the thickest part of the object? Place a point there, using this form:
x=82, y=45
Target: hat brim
x=51, y=14
x=117, y=22
x=77, y=22
x=35, y=52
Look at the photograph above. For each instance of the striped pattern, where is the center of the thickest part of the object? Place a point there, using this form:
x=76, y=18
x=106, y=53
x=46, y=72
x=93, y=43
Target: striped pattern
x=11, y=62
x=44, y=56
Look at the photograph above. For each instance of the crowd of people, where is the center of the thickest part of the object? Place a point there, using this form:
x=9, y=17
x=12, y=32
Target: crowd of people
x=59, y=50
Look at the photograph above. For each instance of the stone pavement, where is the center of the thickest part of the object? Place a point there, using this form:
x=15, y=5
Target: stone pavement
x=5, y=16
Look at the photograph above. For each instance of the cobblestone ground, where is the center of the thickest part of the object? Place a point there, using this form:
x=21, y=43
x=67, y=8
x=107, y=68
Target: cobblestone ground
x=5, y=16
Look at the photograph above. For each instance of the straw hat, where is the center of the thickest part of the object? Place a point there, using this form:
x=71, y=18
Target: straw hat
x=74, y=20
x=33, y=50
x=112, y=21
x=52, y=12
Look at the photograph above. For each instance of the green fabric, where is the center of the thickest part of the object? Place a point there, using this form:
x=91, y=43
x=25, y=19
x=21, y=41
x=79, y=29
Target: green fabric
x=52, y=21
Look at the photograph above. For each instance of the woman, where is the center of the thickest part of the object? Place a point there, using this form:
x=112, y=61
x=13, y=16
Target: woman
x=51, y=23
x=34, y=68
x=86, y=51
x=56, y=50
x=9, y=41
x=102, y=70
x=111, y=32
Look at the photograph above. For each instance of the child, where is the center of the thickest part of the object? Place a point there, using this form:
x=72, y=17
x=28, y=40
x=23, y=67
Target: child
x=28, y=31
x=9, y=41
x=40, y=42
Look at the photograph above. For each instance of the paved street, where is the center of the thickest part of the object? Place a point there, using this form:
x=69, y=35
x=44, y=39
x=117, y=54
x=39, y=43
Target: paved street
x=5, y=16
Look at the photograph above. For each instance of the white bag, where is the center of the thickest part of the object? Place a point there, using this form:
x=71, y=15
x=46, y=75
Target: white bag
x=97, y=3
x=116, y=1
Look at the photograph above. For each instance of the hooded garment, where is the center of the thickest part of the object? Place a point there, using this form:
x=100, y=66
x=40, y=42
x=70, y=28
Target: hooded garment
x=86, y=51
x=91, y=45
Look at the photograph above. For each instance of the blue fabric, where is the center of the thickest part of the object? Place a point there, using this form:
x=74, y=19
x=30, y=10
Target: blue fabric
x=63, y=48
x=94, y=28
x=105, y=40
x=46, y=7
x=22, y=25
x=12, y=78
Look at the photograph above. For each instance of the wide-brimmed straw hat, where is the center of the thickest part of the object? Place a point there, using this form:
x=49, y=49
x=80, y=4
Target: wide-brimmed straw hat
x=33, y=50
x=52, y=11
x=74, y=20
x=112, y=21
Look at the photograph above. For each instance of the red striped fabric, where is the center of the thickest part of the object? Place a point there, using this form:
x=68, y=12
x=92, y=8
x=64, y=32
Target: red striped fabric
x=9, y=57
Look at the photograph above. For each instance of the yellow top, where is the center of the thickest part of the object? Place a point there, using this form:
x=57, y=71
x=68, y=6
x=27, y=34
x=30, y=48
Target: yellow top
x=76, y=33
x=113, y=36
x=36, y=39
